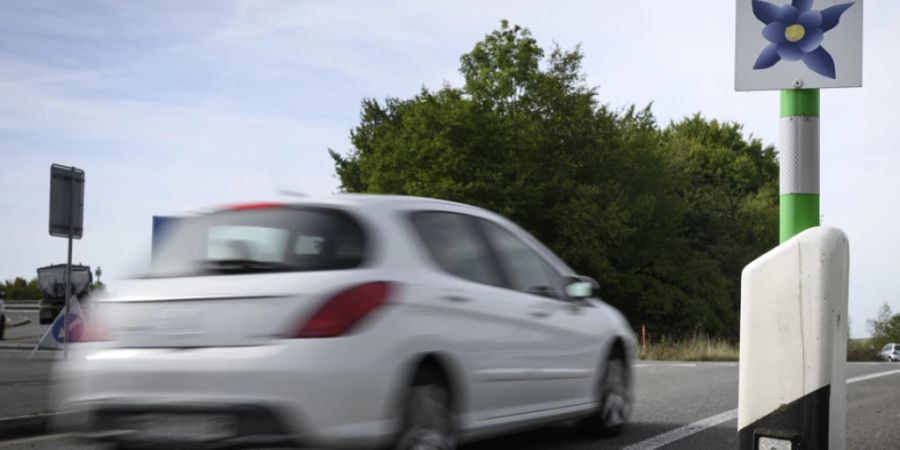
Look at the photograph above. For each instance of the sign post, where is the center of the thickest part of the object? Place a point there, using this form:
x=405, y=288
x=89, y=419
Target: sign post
x=66, y=220
x=797, y=47
x=799, y=164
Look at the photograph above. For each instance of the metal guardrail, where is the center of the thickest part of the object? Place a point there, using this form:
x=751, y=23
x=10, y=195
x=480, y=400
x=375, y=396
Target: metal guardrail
x=22, y=305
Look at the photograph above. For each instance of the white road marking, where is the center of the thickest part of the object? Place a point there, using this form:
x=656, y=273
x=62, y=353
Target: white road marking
x=683, y=432
x=709, y=422
x=872, y=375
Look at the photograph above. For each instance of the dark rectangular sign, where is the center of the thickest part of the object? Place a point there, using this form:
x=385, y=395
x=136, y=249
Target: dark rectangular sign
x=66, y=201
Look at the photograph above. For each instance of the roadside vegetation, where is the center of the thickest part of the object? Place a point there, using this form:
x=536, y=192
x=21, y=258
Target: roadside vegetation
x=20, y=289
x=885, y=329
x=664, y=216
x=861, y=350
x=695, y=348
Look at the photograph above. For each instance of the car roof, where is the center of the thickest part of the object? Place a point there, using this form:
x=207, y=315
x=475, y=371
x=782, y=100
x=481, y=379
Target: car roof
x=385, y=202
x=377, y=199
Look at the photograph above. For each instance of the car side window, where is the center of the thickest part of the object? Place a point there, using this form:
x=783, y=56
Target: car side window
x=525, y=269
x=452, y=241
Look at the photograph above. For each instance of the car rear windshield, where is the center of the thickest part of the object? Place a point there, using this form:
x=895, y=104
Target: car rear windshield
x=260, y=240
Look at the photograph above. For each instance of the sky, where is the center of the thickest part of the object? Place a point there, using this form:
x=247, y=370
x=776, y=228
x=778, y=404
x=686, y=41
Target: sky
x=174, y=106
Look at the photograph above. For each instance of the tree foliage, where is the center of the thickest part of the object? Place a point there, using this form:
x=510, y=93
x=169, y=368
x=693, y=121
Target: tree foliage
x=885, y=328
x=20, y=289
x=664, y=217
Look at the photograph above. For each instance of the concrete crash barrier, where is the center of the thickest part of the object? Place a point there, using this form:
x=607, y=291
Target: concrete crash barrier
x=792, y=390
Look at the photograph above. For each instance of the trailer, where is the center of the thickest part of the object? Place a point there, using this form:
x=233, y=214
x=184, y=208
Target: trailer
x=52, y=284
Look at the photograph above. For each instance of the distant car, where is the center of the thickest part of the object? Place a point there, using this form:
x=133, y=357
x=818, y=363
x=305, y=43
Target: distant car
x=890, y=352
x=352, y=321
x=2, y=314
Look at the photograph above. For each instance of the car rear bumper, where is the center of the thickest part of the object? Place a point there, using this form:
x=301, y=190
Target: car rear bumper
x=289, y=393
x=252, y=425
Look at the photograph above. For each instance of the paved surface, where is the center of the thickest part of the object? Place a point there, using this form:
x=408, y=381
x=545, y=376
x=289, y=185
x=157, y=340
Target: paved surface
x=24, y=382
x=669, y=396
x=25, y=335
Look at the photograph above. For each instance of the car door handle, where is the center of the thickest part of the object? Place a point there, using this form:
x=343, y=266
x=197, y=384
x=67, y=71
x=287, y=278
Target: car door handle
x=539, y=313
x=457, y=298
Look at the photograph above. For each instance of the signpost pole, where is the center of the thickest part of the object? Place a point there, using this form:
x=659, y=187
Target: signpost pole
x=799, y=154
x=66, y=309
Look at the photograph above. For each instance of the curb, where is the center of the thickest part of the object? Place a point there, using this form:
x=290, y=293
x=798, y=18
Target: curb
x=6, y=345
x=12, y=324
x=26, y=426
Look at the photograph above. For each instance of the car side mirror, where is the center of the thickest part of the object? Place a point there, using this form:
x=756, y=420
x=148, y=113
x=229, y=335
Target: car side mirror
x=581, y=287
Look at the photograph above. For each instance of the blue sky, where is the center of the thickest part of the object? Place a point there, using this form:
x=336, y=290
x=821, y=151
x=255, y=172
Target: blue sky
x=173, y=106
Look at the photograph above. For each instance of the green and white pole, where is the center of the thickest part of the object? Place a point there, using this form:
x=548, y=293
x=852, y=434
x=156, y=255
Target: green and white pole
x=799, y=151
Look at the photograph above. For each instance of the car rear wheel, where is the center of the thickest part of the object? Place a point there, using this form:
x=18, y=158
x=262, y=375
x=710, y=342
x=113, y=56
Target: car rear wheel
x=614, y=400
x=428, y=418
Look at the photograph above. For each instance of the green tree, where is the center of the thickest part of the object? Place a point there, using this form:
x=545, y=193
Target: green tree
x=664, y=218
x=885, y=328
x=20, y=289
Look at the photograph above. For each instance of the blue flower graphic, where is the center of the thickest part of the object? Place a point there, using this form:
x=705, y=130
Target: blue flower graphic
x=796, y=32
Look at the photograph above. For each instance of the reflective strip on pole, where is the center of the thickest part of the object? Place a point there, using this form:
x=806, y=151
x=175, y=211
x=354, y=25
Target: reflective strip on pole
x=799, y=151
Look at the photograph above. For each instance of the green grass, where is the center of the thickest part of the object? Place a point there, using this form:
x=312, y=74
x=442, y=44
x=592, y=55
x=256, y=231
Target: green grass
x=697, y=348
x=704, y=348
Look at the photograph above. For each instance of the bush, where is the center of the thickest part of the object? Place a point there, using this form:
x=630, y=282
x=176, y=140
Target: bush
x=861, y=350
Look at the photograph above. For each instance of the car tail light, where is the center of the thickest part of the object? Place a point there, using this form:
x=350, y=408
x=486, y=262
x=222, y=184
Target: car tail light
x=339, y=314
x=252, y=206
x=93, y=331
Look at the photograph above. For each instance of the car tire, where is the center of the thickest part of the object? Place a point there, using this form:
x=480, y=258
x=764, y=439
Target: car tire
x=614, y=400
x=427, y=415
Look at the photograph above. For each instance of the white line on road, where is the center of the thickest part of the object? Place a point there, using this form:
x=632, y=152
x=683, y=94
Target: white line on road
x=872, y=375
x=683, y=432
x=709, y=422
x=666, y=365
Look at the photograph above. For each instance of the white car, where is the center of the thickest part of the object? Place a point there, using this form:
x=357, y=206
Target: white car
x=890, y=352
x=352, y=321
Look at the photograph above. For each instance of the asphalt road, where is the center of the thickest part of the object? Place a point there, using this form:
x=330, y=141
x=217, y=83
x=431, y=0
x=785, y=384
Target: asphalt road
x=27, y=334
x=678, y=406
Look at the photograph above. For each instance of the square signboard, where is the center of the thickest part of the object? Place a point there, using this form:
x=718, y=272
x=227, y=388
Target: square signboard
x=793, y=44
x=66, y=201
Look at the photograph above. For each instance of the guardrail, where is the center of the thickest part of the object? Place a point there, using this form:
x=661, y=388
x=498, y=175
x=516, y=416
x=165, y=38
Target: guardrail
x=22, y=305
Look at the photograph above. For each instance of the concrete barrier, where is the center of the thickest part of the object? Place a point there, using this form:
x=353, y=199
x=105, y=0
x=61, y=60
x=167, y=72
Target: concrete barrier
x=792, y=390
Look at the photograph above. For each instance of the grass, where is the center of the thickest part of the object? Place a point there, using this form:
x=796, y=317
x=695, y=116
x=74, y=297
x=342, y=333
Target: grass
x=696, y=348
x=704, y=348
